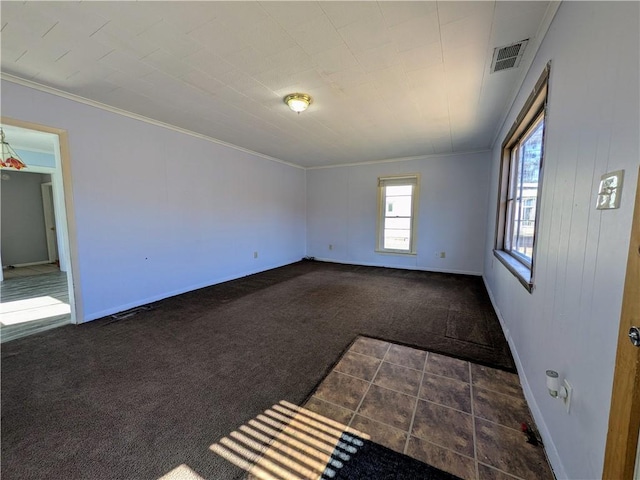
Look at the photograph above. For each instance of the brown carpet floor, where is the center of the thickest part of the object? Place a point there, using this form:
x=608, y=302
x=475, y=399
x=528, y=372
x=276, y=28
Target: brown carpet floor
x=136, y=398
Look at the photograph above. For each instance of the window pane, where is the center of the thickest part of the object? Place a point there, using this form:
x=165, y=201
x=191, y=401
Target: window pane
x=526, y=194
x=397, y=239
x=532, y=150
x=395, y=223
x=397, y=206
x=399, y=190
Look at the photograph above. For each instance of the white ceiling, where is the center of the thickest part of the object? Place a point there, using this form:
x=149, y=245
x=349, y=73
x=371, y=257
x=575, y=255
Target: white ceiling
x=388, y=79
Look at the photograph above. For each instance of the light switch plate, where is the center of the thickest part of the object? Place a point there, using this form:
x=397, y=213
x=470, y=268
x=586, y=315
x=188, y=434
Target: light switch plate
x=610, y=190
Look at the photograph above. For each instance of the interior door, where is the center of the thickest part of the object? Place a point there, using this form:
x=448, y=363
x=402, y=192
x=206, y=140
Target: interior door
x=50, y=221
x=624, y=417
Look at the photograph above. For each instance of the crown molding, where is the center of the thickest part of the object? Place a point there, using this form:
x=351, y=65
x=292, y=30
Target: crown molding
x=135, y=116
x=401, y=159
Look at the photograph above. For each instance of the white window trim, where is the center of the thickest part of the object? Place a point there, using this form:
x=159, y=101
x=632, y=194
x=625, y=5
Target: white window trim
x=390, y=180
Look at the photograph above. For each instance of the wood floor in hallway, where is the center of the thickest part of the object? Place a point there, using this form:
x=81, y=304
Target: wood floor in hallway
x=32, y=303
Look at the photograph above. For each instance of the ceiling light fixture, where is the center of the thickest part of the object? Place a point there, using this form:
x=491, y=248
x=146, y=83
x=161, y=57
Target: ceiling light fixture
x=298, y=102
x=10, y=158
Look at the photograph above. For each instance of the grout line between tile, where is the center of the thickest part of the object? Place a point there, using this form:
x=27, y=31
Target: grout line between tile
x=501, y=471
x=426, y=360
x=403, y=366
x=371, y=356
x=444, y=376
x=374, y=377
x=496, y=423
x=331, y=403
x=381, y=423
x=415, y=408
x=368, y=387
x=445, y=448
x=441, y=405
x=361, y=354
x=519, y=397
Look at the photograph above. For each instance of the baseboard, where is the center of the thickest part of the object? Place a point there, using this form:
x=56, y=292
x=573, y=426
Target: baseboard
x=30, y=264
x=400, y=267
x=173, y=293
x=547, y=440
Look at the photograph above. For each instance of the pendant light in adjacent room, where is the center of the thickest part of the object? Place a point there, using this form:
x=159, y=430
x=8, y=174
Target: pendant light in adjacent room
x=10, y=158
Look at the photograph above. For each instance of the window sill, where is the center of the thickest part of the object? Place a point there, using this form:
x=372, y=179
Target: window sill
x=393, y=252
x=520, y=271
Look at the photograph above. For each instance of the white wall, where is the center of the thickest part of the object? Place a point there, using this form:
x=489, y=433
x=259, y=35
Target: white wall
x=570, y=321
x=342, y=209
x=159, y=212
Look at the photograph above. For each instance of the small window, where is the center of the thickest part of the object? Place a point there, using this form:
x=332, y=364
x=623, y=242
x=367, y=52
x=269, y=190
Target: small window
x=520, y=184
x=396, y=218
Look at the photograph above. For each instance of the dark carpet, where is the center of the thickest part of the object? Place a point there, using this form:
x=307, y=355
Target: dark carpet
x=374, y=461
x=136, y=398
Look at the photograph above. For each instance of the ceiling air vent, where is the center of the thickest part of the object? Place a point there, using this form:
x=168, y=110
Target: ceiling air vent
x=508, y=56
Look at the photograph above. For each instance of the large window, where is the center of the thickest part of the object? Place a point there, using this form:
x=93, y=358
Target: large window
x=396, y=217
x=520, y=184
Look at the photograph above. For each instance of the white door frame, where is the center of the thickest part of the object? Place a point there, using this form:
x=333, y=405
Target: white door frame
x=61, y=183
x=50, y=222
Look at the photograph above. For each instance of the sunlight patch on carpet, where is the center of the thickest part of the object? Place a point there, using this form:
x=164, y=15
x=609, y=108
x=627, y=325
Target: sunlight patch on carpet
x=288, y=442
x=181, y=472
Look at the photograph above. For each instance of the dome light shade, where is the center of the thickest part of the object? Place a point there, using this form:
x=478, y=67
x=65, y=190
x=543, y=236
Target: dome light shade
x=298, y=102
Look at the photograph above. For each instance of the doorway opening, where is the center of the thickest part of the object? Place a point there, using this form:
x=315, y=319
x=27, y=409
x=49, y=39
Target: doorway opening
x=37, y=291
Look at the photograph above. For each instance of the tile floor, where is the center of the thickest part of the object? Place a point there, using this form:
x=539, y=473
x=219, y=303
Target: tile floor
x=458, y=416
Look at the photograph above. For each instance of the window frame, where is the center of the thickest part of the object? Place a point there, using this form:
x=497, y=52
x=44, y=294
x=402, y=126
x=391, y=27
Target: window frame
x=533, y=111
x=396, y=180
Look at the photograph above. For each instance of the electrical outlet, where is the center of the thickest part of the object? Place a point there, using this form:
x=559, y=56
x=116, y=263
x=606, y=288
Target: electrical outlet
x=567, y=399
x=255, y=254
x=330, y=247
